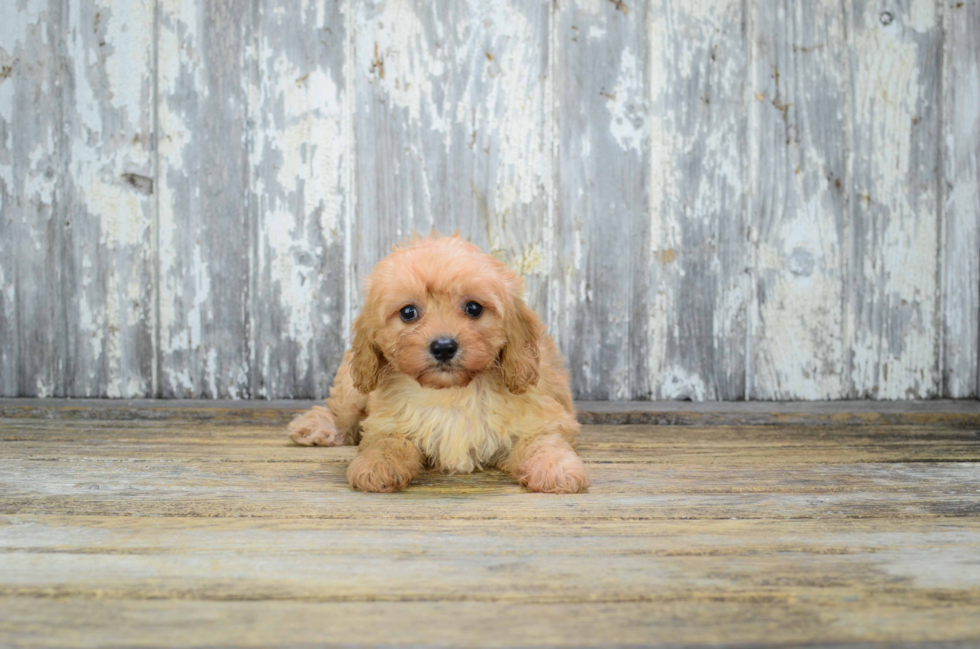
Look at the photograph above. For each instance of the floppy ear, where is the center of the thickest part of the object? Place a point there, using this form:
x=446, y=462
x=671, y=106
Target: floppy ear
x=367, y=362
x=520, y=356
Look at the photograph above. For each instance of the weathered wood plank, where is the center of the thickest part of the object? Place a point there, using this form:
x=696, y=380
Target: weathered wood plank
x=298, y=196
x=634, y=214
x=684, y=538
x=961, y=164
x=452, y=129
x=792, y=618
x=893, y=266
x=333, y=561
x=671, y=413
x=663, y=445
x=204, y=233
x=799, y=208
x=699, y=305
x=681, y=475
x=688, y=534
x=34, y=235
x=602, y=205
x=467, y=499
x=868, y=450
x=637, y=472
x=109, y=267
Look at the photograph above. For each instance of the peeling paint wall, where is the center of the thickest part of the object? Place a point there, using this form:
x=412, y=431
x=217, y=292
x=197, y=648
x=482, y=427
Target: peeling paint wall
x=710, y=199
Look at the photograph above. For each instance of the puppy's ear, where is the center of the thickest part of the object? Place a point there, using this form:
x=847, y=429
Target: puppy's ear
x=520, y=357
x=367, y=362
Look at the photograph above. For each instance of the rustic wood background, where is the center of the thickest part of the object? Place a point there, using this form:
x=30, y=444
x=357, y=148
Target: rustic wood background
x=715, y=199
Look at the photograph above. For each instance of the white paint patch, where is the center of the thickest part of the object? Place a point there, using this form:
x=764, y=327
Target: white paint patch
x=592, y=7
x=679, y=384
x=129, y=48
x=596, y=33
x=406, y=61
x=627, y=105
x=922, y=15
x=177, y=55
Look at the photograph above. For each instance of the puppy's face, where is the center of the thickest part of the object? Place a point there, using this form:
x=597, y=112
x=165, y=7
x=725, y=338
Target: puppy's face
x=442, y=312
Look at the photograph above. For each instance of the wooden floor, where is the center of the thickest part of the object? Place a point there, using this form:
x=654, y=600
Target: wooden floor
x=181, y=531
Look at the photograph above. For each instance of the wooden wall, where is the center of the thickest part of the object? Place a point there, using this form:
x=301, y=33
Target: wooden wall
x=710, y=199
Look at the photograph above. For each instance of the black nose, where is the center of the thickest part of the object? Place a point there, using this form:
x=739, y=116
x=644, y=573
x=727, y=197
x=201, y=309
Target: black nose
x=443, y=349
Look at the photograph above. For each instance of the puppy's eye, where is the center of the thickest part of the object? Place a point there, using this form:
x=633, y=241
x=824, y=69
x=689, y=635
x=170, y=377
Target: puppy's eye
x=473, y=310
x=408, y=313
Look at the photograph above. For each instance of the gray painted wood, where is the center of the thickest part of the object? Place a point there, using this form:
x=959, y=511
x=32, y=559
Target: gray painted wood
x=298, y=196
x=602, y=215
x=108, y=261
x=204, y=234
x=893, y=268
x=699, y=228
x=452, y=129
x=799, y=111
x=709, y=200
x=35, y=235
x=961, y=166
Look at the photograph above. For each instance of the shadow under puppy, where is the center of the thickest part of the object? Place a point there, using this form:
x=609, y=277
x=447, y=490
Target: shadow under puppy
x=450, y=369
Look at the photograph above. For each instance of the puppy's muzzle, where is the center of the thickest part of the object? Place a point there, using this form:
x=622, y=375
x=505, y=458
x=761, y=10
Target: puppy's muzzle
x=443, y=349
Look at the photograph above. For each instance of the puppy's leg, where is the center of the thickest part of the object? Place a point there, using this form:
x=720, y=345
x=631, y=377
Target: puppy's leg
x=339, y=423
x=549, y=464
x=545, y=461
x=384, y=464
x=316, y=427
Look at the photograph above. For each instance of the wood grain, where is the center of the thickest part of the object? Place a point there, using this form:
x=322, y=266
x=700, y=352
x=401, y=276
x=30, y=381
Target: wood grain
x=961, y=165
x=661, y=413
x=708, y=200
x=893, y=301
x=602, y=206
x=183, y=533
x=350, y=561
x=698, y=308
x=739, y=619
x=299, y=197
x=800, y=91
x=204, y=232
x=452, y=129
x=34, y=234
x=110, y=198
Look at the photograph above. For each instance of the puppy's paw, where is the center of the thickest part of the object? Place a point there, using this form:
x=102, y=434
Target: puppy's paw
x=375, y=473
x=316, y=427
x=552, y=466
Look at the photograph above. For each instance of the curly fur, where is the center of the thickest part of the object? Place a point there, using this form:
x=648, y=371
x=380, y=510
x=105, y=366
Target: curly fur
x=503, y=401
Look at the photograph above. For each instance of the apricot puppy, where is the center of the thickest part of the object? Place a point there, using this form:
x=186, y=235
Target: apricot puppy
x=449, y=369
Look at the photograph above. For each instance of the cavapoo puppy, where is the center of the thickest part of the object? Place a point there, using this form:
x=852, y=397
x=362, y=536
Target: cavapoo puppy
x=449, y=369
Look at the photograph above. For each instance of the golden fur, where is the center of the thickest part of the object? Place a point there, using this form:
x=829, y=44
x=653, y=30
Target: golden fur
x=503, y=401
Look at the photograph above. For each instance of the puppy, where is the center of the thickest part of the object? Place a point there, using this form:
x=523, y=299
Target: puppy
x=449, y=369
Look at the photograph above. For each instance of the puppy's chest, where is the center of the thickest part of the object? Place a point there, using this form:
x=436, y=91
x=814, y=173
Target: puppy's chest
x=459, y=430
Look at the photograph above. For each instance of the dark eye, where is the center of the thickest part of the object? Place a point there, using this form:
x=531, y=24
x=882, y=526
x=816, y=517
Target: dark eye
x=408, y=313
x=473, y=310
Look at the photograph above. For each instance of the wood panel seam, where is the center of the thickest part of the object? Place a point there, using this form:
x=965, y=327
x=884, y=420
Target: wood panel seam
x=155, y=221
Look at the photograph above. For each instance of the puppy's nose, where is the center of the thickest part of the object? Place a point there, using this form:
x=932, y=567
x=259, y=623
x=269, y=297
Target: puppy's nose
x=443, y=349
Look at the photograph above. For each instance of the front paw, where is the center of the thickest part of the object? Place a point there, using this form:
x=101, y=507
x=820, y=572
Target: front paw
x=552, y=466
x=374, y=473
x=316, y=427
